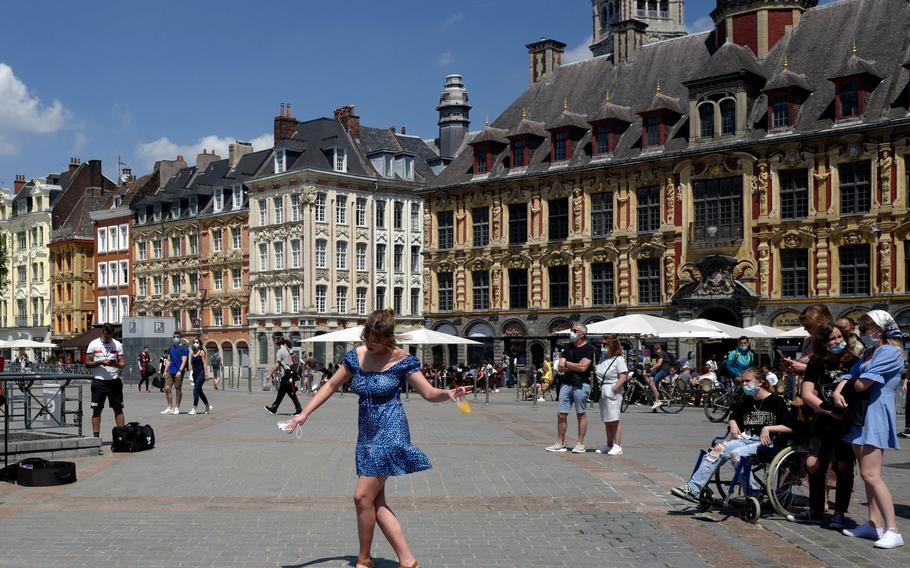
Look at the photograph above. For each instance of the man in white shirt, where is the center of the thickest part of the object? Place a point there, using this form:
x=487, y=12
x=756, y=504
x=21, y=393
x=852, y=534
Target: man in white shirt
x=769, y=374
x=105, y=355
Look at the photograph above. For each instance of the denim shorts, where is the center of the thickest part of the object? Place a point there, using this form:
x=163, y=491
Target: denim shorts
x=569, y=395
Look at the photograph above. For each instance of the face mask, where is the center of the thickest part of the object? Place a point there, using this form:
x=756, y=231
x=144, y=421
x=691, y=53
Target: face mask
x=175, y=340
x=837, y=348
x=196, y=345
x=750, y=390
x=743, y=349
x=605, y=350
x=868, y=340
x=573, y=336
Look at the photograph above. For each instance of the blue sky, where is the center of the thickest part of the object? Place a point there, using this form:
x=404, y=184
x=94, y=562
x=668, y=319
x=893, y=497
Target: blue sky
x=148, y=80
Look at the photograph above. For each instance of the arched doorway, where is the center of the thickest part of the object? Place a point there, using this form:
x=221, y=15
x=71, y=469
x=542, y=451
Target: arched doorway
x=514, y=345
x=243, y=354
x=538, y=352
x=482, y=332
x=227, y=354
x=440, y=352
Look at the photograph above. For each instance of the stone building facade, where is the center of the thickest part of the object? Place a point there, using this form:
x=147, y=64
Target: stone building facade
x=699, y=179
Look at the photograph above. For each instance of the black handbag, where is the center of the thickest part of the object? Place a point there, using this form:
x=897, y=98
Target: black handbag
x=158, y=382
x=857, y=404
x=597, y=385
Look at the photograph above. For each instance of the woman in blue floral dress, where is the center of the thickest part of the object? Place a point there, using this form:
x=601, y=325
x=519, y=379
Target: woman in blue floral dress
x=379, y=370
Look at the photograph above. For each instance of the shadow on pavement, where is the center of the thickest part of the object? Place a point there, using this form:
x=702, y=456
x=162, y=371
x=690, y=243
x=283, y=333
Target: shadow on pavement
x=351, y=561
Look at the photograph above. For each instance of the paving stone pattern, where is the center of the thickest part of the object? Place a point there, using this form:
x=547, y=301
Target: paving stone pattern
x=228, y=489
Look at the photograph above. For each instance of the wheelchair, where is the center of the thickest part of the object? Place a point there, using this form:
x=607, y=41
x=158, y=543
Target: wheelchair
x=775, y=478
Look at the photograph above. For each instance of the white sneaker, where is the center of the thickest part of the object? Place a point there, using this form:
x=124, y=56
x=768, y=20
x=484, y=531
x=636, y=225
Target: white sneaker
x=865, y=530
x=557, y=447
x=209, y=408
x=192, y=412
x=656, y=405
x=541, y=400
x=890, y=539
x=176, y=411
x=615, y=451
x=579, y=449
x=167, y=410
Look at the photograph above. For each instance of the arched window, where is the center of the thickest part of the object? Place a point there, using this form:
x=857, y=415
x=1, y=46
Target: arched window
x=706, y=120
x=727, y=116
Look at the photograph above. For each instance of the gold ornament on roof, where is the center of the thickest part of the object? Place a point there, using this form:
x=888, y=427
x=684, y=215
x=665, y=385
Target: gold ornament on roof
x=657, y=91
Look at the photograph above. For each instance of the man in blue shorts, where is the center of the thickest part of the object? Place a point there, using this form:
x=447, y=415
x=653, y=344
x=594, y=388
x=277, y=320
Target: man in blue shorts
x=173, y=376
x=575, y=363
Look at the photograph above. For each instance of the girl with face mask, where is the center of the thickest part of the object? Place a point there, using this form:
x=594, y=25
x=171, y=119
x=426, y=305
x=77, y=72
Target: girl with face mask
x=197, y=363
x=829, y=362
x=878, y=373
x=757, y=421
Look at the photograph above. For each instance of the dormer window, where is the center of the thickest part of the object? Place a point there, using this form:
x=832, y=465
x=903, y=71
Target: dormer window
x=175, y=210
x=853, y=84
x=218, y=199
x=519, y=153
x=706, y=120
x=341, y=160
x=482, y=159
x=22, y=207
x=156, y=212
x=654, y=131
x=237, y=196
x=142, y=216
x=849, y=102
x=608, y=125
x=488, y=144
x=194, y=205
x=561, y=149
x=280, y=161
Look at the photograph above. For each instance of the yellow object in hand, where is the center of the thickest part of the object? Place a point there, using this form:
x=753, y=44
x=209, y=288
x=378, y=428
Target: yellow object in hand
x=464, y=406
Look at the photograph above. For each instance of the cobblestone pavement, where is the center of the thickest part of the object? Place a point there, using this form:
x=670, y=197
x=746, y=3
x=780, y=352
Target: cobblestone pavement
x=228, y=489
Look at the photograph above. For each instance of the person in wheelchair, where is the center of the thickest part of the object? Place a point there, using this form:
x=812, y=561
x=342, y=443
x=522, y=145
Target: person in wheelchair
x=757, y=421
x=829, y=363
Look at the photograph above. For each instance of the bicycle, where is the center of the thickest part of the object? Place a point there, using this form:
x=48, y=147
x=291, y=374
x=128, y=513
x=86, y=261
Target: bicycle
x=673, y=395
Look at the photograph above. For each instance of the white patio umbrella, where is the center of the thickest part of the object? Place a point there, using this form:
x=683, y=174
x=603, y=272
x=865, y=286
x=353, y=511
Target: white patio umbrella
x=424, y=336
x=729, y=331
x=30, y=344
x=346, y=335
x=648, y=325
x=797, y=332
x=766, y=331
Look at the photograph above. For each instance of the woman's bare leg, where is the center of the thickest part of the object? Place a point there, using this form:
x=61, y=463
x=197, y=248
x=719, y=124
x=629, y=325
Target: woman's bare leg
x=616, y=426
x=391, y=528
x=365, y=502
x=881, y=504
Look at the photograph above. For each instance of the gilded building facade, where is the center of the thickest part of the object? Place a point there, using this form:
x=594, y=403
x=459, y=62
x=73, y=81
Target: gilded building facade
x=692, y=179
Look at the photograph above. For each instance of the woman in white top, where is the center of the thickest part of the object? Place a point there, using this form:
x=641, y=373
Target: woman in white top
x=611, y=374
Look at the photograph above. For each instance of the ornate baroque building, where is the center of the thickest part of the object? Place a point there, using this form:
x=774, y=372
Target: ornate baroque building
x=738, y=175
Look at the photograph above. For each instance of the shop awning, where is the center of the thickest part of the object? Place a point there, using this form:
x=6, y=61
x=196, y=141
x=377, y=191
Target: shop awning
x=80, y=342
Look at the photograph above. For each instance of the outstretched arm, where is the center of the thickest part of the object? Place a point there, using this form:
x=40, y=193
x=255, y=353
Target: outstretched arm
x=433, y=394
x=341, y=376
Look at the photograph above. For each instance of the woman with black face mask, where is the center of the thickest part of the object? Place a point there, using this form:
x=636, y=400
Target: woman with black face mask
x=197, y=363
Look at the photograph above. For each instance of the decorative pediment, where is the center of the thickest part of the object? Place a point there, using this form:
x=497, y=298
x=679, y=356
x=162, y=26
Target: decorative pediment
x=722, y=165
x=518, y=261
x=480, y=264
x=793, y=157
x=605, y=253
x=445, y=265
x=557, y=258
x=794, y=239
x=322, y=274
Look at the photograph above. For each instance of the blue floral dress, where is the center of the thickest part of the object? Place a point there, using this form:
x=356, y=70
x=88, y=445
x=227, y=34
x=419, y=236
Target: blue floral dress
x=384, y=440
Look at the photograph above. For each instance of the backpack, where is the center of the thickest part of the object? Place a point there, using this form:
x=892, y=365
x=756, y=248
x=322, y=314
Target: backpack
x=132, y=438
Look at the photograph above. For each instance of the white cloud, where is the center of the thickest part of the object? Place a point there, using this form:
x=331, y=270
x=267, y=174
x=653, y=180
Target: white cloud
x=21, y=112
x=79, y=142
x=444, y=59
x=579, y=52
x=703, y=24
x=147, y=153
x=453, y=19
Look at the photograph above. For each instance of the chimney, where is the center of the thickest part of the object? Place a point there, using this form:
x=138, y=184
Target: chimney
x=19, y=183
x=204, y=159
x=404, y=129
x=96, y=175
x=74, y=164
x=392, y=129
x=167, y=168
x=238, y=150
x=285, y=124
x=628, y=36
x=546, y=56
x=349, y=120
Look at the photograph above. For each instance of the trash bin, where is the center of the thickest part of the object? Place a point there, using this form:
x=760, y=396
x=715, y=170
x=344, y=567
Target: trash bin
x=260, y=376
x=53, y=402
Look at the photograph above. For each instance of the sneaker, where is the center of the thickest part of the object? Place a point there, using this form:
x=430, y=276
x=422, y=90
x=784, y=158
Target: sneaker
x=890, y=539
x=684, y=492
x=101, y=453
x=167, y=410
x=557, y=447
x=905, y=433
x=495, y=390
x=865, y=530
x=270, y=411
x=579, y=449
x=806, y=518
x=615, y=451
x=192, y=412
x=605, y=449
x=175, y=411
x=541, y=400
x=837, y=521
x=656, y=405
x=210, y=408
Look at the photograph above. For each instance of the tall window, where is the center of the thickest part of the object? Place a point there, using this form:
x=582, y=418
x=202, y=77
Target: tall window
x=341, y=210
x=648, y=281
x=415, y=216
x=706, y=119
x=320, y=298
x=143, y=287
x=217, y=317
x=480, y=218
x=361, y=301
x=398, y=258
x=237, y=196
x=218, y=199
x=648, y=209
x=415, y=301
x=216, y=240
x=102, y=240
x=558, y=220
x=415, y=259
x=236, y=242
x=319, y=207
x=559, y=286
x=295, y=253
x=445, y=291
x=341, y=255
x=279, y=254
x=157, y=287
x=780, y=111
x=263, y=256
x=446, y=228
x=320, y=253
x=341, y=299
x=398, y=215
x=143, y=251
x=194, y=244
x=480, y=159
x=397, y=300
x=854, y=270
x=263, y=212
x=602, y=283
x=236, y=278
x=518, y=288
x=341, y=160
x=236, y=316
x=361, y=256
x=295, y=299
x=278, y=293
x=602, y=134
x=794, y=273
x=360, y=212
x=727, y=117
x=217, y=280
x=718, y=209
x=848, y=94
x=193, y=278
x=561, y=146
x=481, y=289
x=652, y=126
x=295, y=207
x=601, y=214
x=794, y=194
x=380, y=256
x=380, y=297
x=263, y=301
x=855, y=189
x=156, y=248
x=278, y=204
x=380, y=214
x=518, y=223
x=518, y=153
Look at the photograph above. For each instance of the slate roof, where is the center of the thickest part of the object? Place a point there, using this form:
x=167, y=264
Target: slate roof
x=529, y=127
x=610, y=111
x=569, y=119
x=817, y=49
x=730, y=59
x=787, y=78
x=78, y=222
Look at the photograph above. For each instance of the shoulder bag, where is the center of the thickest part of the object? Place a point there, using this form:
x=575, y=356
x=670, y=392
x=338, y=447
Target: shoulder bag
x=597, y=384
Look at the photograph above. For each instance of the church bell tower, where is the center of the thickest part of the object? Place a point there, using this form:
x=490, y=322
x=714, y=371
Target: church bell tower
x=664, y=18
